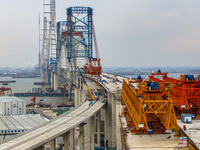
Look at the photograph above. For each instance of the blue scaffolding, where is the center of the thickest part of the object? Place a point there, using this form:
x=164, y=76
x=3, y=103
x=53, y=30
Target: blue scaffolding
x=82, y=25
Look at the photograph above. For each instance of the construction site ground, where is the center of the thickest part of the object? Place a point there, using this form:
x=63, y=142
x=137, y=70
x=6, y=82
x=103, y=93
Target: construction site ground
x=153, y=141
x=192, y=130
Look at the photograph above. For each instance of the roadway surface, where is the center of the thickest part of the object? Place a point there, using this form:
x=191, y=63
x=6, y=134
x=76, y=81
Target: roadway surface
x=41, y=135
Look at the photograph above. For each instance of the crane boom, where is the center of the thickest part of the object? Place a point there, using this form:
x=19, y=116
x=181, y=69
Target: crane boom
x=95, y=42
x=91, y=96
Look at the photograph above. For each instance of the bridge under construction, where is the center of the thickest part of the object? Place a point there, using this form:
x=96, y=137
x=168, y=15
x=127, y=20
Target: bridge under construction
x=111, y=112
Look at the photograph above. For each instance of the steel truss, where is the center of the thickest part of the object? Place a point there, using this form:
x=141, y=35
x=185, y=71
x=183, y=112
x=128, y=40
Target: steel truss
x=82, y=23
x=146, y=109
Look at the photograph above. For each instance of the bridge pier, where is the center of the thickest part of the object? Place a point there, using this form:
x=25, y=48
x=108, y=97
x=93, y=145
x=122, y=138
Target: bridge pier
x=76, y=96
x=92, y=132
x=81, y=134
x=39, y=148
x=87, y=134
x=52, y=144
x=98, y=129
x=52, y=79
x=66, y=139
x=72, y=139
x=55, y=83
x=113, y=101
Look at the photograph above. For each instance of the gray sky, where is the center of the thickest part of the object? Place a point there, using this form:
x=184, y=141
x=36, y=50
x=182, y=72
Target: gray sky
x=129, y=32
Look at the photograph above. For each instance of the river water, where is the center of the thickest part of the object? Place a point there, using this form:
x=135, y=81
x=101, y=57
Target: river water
x=23, y=85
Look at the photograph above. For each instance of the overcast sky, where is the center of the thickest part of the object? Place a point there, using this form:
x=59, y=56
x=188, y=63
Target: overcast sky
x=129, y=32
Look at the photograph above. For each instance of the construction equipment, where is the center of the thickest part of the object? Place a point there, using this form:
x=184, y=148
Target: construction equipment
x=94, y=68
x=91, y=97
x=34, y=97
x=189, y=89
x=148, y=108
x=184, y=92
x=3, y=90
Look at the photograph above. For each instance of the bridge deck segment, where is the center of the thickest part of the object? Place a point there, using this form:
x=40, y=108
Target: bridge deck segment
x=56, y=128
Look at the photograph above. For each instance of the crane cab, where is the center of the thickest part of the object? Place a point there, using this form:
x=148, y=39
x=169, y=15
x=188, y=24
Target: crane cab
x=149, y=86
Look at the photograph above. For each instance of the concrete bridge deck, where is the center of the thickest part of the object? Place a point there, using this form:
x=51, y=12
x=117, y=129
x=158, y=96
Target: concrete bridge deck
x=41, y=135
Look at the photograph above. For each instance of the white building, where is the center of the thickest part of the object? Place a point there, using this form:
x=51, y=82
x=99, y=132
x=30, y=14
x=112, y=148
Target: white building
x=10, y=105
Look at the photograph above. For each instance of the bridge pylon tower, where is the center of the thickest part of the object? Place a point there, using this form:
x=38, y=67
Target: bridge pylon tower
x=48, y=56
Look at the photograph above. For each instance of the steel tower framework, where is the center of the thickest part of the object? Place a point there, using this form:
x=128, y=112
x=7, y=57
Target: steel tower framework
x=82, y=24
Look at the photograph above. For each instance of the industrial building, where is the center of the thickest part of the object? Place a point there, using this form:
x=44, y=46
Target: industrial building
x=10, y=105
x=13, y=117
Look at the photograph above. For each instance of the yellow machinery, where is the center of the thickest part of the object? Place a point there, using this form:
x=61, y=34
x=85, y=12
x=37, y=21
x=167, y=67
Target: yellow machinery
x=147, y=108
x=90, y=93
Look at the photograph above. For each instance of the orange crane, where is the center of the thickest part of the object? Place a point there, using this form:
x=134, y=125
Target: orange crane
x=147, y=108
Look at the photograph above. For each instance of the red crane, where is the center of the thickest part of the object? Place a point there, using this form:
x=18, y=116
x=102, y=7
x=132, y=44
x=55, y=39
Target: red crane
x=34, y=97
x=3, y=90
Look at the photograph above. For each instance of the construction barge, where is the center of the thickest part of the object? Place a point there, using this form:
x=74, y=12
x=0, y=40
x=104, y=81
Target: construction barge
x=39, y=95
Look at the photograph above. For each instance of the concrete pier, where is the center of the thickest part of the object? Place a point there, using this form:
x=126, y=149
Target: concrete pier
x=66, y=139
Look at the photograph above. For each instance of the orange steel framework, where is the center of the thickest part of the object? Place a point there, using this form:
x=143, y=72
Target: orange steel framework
x=176, y=94
x=189, y=90
x=143, y=107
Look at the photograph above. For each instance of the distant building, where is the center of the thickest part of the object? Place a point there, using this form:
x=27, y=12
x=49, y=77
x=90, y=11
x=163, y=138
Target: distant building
x=10, y=105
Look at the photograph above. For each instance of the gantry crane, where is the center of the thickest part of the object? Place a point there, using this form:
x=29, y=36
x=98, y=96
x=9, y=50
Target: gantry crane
x=187, y=89
x=147, y=108
x=3, y=90
x=184, y=92
x=175, y=93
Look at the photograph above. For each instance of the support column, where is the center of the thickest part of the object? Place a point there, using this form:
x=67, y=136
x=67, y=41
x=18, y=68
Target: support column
x=72, y=139
x=118, y=131
x=76, y=92
x=80, y=96
x=55, y=85
x=87, y=135
x=92, y=132
x=66, y=139
x=108, y=120
x=52, y=79
x=81, y=136
x=98, y=129
x=113, y=120
x=53, y=144
x=39, y=148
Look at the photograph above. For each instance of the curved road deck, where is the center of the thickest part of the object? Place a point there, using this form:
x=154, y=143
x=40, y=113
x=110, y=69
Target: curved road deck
x=41, y=135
